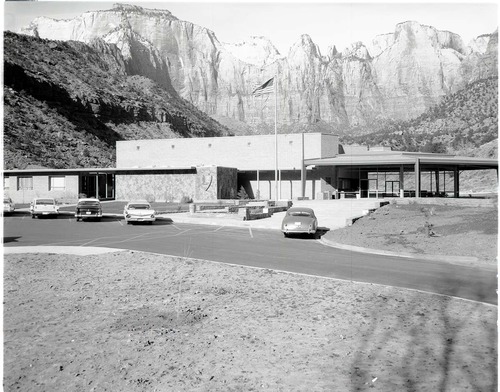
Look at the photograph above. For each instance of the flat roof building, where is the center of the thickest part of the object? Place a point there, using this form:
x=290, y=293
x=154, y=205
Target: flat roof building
x=310, y=165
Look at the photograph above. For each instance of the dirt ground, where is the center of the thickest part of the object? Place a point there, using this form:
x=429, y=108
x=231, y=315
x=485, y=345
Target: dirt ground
x=426, y=229
x=132, y=321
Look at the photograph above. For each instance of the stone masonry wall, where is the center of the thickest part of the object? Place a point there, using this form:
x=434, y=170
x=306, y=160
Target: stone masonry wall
x=155, y=187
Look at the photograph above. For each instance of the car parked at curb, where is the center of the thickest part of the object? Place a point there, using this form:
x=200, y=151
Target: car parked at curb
x=299, y=220
x=8, y=205
x=88, y=208
x=139, y=211
x=43, y=206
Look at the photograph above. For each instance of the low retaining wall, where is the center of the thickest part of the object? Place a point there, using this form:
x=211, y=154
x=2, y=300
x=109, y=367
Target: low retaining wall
x=245, y=209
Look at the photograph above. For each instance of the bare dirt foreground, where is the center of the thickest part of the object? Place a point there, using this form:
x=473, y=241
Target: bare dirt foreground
x=132, y=321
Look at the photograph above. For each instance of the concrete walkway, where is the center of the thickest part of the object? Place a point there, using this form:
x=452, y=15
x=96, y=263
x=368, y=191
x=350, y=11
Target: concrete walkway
x=331, y=214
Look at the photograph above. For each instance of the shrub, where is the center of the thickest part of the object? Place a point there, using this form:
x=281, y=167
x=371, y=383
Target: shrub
x=242, y=194
x=186, y=199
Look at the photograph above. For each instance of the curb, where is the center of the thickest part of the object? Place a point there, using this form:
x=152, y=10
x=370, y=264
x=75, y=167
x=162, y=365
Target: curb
x=74, y=250
x=449, y=259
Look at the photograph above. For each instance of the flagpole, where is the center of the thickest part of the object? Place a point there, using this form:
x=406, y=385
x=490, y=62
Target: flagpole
x=276, y=136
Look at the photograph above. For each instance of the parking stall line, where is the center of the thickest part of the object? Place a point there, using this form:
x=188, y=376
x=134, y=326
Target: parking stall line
x=63, y=243
x=86, y=243
x=143, y=237
x=250, y=230
x=226, y=233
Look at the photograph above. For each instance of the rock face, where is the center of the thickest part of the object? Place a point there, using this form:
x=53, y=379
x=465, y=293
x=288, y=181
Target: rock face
x=396, y=76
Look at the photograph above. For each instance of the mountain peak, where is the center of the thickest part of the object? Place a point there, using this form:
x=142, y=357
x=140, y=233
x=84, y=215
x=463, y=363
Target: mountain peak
x=257, y=50
x=306, y=45
x=127, y=7
x=138, y=9
x=358, y=50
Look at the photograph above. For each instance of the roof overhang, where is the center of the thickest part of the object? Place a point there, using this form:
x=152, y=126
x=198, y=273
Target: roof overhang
x=394, y=159
x=106, y=170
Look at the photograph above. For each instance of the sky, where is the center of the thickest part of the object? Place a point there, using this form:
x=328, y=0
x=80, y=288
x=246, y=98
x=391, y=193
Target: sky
x=328, y=23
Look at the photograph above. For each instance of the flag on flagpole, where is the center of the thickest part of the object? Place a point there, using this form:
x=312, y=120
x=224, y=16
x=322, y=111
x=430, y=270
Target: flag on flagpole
x=265, y=88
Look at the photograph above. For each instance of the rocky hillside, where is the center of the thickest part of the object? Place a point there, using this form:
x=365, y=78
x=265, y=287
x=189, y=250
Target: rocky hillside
x=461, y=122
x=397, y=76
x=67, y=103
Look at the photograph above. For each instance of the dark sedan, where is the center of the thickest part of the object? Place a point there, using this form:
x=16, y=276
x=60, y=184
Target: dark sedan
x=88, y=209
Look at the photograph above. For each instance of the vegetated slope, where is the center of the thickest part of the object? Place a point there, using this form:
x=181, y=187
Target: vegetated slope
x=67, y=103
x=460, y=122
x=480, y=180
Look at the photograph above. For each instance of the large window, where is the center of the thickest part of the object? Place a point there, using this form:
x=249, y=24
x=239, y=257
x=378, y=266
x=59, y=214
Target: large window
x=57, y=183
x=24, y=183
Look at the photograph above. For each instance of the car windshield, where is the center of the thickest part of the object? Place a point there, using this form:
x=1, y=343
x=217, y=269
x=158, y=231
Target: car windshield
x=299, y=213
x=88, y=203
x=44, y=202
x=139, y=207
x=6, y=200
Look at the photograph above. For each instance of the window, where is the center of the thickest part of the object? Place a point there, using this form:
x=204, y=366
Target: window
x=57, y=183
x=6, y=183
x=24, y=183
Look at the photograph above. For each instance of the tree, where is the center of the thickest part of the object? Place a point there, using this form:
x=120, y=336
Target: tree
x=242, y=193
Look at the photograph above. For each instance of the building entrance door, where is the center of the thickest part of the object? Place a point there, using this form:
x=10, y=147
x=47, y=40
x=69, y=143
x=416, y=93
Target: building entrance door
x=98, y=185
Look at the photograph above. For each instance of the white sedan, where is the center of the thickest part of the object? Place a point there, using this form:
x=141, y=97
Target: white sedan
x=139, y=211
x=44, y=206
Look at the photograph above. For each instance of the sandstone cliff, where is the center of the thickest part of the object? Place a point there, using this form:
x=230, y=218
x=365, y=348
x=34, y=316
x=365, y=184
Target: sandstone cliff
x=396, y=76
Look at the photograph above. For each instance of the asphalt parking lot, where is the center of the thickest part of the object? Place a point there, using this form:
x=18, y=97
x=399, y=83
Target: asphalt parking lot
x=261, y=248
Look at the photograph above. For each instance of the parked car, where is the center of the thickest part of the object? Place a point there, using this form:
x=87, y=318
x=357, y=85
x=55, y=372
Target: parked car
x=45, y=206
x=8, y=205
x=299, y=220
x=88, y=208
x=139, y=211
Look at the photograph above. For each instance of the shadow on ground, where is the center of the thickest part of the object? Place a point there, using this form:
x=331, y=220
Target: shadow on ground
x=158, y=222
x=10, y=239
x=320, y=232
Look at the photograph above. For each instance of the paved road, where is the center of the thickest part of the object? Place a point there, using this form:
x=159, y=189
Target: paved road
x=257, y=248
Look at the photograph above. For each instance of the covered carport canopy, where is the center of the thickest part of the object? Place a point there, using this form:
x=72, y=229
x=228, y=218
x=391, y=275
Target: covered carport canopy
x=401, y=161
